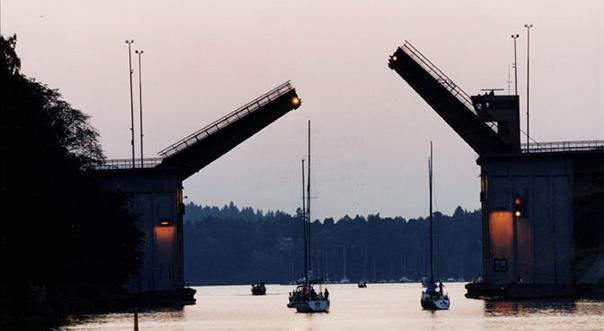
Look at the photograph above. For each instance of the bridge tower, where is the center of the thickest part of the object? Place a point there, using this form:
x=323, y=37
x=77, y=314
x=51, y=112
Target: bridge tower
x=554, y=244
x=155, y=190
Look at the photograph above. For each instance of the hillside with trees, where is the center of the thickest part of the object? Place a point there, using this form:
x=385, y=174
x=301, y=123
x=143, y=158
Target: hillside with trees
x=230, y=245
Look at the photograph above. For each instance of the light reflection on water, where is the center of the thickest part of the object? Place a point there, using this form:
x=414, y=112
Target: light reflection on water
x=378, y=307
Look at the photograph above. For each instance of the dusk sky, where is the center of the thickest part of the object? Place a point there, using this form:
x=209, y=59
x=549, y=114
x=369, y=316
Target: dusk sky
x=371, y=131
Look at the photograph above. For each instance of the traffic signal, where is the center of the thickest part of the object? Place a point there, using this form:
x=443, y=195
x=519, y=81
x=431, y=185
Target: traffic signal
x=519, y=206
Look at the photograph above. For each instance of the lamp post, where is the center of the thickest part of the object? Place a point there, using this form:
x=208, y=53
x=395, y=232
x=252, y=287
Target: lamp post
x=528, y=52
x=515, y=36
x=140, y=100
x=130, y=72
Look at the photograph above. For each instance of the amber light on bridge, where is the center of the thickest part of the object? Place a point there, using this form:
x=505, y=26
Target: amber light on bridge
x=501, y=233
x=295, y=101
x=164, y=234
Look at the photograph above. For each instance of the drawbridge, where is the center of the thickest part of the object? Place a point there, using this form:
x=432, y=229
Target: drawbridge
x=478, y=120
x=155, y=191
x=202, y=147
x=539, y=202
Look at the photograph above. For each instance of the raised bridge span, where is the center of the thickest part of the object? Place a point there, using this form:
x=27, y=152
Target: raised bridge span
x=154, y=188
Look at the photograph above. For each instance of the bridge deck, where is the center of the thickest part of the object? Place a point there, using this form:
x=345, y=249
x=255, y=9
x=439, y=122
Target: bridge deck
x=204, y=146
x=447, y=99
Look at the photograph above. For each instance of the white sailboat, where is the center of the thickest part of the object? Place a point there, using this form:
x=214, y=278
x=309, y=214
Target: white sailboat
x=305, y=298
x=432, y=298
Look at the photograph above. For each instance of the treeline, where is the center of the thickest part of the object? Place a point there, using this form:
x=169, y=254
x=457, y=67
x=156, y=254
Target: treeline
x=230, y=245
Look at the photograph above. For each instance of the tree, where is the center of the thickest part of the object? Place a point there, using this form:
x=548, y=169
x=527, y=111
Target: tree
x=71, y=241
x=459, y=212
x=222, y=248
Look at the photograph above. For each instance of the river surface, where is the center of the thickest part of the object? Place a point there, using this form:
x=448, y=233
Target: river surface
x=377, y=307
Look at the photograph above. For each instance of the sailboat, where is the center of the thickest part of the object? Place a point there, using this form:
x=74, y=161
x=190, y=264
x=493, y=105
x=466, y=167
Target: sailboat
x=363, y=283
x=305, y=298
x=431, y=298
x=344, y=279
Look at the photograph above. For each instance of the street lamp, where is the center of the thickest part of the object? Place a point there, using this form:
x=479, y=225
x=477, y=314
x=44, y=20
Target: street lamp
x=528, y=52
x=140, y=101
x=130, y=72
x=515, y=36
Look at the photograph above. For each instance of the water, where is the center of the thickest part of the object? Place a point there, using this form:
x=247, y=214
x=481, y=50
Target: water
x=377, y=307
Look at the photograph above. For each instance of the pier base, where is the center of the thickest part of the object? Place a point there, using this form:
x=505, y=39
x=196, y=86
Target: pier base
x=533, y=291
x=161, y=298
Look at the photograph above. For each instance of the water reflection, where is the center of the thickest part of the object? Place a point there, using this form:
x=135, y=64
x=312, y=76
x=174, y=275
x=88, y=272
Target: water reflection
x=543, y=307
x=148, y=314
x=378, y=307
x=523, y=308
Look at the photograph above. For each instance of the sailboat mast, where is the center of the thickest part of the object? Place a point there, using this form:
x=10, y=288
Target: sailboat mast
x=344, y=261
x=431, y=214
x=365, y=266
x=304, y=225
x=326, y=265
x=308, y=199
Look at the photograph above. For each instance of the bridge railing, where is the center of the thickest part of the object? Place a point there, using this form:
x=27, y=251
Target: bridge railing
x=226, y=120
x=442, y=78
x=114, y=164
x=437, y=74
x=563, y=146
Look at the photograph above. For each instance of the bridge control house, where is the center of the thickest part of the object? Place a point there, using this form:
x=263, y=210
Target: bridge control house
x=154, y=188
x=542, y=216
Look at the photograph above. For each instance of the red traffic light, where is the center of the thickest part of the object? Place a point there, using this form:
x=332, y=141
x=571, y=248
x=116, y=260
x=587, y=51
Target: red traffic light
x=519, y=210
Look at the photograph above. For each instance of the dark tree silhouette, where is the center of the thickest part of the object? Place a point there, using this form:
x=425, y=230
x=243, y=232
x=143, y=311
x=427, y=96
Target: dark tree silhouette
x=232, y=246
x=66, y=242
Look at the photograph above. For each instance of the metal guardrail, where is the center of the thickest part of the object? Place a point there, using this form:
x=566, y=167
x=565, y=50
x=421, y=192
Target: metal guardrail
x=563, y=146
x=226, y=120
x=442, y=78
x=437, y=74
x=115, y=164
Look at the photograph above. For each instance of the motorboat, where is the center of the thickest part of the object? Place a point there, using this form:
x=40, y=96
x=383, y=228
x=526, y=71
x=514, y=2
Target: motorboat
x=258, y=289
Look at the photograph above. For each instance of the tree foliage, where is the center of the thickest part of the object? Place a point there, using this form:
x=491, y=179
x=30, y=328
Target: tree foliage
x=229, y=245
x=68, y=241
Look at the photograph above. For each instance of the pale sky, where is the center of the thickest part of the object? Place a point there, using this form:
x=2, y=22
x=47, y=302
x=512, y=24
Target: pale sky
x=371, y=131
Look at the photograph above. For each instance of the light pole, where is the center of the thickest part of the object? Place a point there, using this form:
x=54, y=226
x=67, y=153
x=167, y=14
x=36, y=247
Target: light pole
x=515, y=36
x=509, y=81
x=528, y=52
x=140, y=100
x=130, y=72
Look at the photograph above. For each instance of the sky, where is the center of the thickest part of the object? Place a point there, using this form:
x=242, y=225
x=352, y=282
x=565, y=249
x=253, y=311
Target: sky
x=371, y=131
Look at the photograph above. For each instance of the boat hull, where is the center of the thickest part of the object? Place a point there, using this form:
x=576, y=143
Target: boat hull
x=313, y=306
x=258, y=289
x=434, y=302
